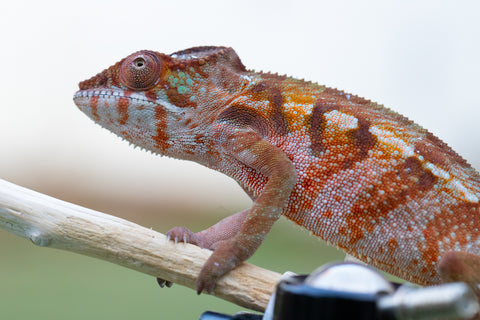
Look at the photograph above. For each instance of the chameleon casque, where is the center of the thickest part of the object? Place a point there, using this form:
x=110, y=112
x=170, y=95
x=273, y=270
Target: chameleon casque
x=354, y=173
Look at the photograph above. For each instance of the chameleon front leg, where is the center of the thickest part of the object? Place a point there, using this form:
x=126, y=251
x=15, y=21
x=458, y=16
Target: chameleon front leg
x=222, y=230
x=234, y=239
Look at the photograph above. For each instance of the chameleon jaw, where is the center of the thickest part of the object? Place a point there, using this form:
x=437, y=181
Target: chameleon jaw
x=112, y=105
x=130, y=115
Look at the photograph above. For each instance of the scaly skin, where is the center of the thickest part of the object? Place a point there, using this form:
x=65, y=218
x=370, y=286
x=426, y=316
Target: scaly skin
x=354, y=173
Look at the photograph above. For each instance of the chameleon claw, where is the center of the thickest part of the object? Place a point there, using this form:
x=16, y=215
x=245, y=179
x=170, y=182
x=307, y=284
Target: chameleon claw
x=164, y=283
x=205, y=285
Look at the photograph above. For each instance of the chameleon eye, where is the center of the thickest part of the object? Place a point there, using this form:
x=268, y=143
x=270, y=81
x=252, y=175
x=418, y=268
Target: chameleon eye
x=140, y=71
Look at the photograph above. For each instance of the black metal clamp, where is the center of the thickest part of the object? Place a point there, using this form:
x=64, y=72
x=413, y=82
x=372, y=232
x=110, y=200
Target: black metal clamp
x=350, y=291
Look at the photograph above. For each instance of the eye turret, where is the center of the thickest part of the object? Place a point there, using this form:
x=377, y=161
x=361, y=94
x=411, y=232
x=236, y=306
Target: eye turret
x=141, y=70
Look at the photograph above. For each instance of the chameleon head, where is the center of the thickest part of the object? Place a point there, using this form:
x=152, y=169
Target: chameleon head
x=160, y=101
x=125, y=99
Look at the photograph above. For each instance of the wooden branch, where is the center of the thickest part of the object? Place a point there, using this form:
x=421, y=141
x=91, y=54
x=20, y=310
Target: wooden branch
x=50, y=222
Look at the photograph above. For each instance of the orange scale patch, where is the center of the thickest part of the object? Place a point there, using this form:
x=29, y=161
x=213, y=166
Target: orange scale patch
x=355, y=230
x=379, y=199
x=430, y=252
x=392, y=245
x=463, y=223
x=302, y=98
x=308, y=190
x=296, y=120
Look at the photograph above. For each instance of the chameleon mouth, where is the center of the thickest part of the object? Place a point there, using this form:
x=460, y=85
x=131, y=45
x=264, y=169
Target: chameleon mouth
x=100, y=93
x=117, y=110
x=90, y=97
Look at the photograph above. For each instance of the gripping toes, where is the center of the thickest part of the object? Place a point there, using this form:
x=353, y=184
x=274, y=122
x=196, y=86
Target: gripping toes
x=177, y=234
x=182, y=234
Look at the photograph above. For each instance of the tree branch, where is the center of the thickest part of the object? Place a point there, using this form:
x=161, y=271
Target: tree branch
x=50, y=222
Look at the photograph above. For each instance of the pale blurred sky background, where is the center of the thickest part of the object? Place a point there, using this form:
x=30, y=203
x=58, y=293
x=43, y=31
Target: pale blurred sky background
x=420, y=58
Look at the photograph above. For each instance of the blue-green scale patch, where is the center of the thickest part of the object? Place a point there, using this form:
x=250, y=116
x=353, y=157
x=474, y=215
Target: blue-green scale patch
x=182, y=89
x=183, y=81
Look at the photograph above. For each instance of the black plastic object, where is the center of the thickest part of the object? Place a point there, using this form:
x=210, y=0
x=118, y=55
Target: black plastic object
x=209, y=315
x=350, y=291
x=295, y=300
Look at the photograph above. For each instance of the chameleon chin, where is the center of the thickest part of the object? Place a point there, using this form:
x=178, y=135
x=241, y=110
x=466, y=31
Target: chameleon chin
x=351, y=171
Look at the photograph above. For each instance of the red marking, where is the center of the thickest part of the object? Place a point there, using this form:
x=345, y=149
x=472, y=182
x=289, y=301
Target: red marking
x=317, y=126
x=455, y=222
x=430, y=252
x=362, y=138
x=424, y=270
x=97, y=81
x=392, y=245
x=179, y=99
x=246, y=117
x=93, y=107
x=127, y=135
x=213, y=153
x=269, y=91
x=199, y=138
x=308, y=188
x=122, y=107
x=328, y=214
x=451, y=226
x=161, y=138
x=190, y=152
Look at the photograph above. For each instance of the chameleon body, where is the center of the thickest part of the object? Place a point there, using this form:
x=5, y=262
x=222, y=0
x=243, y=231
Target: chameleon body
x=354, y=173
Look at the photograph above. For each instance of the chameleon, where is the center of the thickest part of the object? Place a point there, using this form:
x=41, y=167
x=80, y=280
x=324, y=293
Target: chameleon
x=353, y=172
